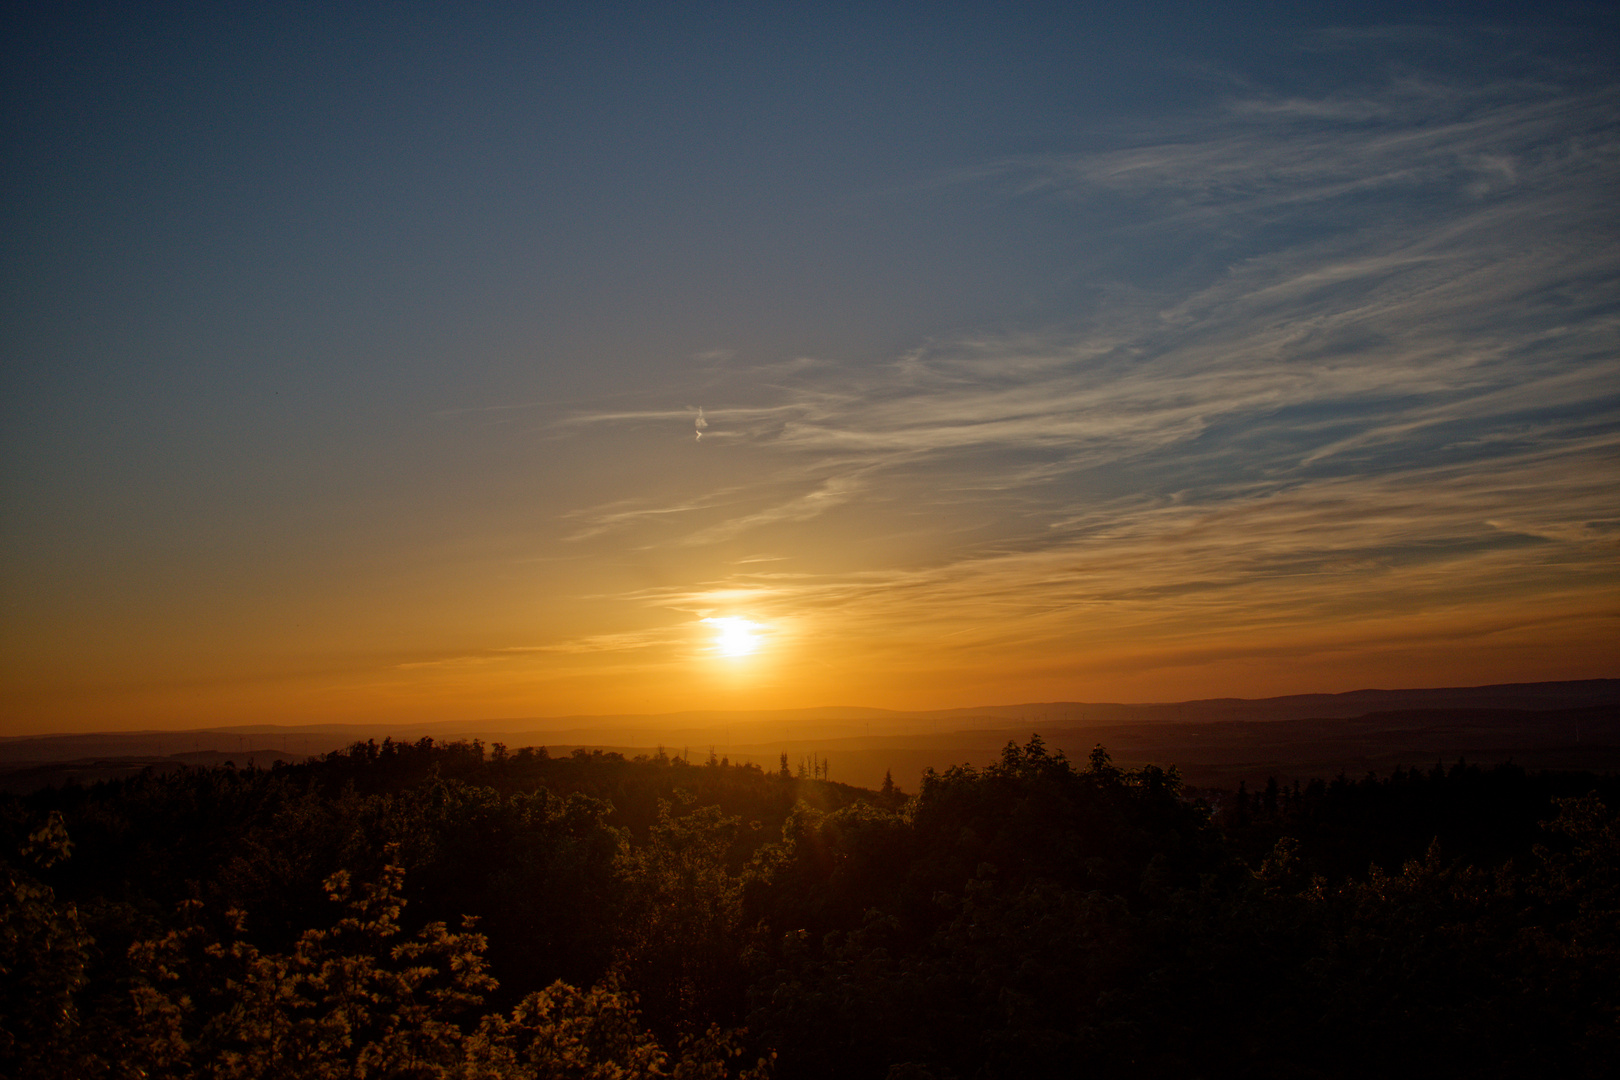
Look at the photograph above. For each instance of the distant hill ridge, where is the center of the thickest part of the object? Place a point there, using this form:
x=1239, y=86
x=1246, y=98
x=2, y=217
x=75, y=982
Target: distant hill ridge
x=702, y=728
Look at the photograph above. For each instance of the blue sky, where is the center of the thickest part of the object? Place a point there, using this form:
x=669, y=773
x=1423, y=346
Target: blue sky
x=353, y=361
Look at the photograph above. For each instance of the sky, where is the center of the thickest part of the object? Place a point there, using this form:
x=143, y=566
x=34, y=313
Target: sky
x=415, y=361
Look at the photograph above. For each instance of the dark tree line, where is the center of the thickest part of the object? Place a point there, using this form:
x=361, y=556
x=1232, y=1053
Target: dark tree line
x=423, y=910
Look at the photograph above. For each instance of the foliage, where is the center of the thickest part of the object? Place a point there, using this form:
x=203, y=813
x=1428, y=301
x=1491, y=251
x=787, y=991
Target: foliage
x=44, y=953
x=679, y=918
x=352, y=1001
x=1022, y=919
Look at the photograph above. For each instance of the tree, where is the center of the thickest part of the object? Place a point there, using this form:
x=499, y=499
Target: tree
x=44, y=953
x=359, y=1000
x=679, y=943
x=347, y=1000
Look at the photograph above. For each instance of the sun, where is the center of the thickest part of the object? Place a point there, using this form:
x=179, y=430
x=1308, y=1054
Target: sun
x=735, y=636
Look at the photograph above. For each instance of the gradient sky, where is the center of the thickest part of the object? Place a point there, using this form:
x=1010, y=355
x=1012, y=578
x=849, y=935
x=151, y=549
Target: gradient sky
x=353, y=360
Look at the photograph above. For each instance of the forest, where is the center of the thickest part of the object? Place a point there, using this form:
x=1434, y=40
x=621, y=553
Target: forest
x=451, y=910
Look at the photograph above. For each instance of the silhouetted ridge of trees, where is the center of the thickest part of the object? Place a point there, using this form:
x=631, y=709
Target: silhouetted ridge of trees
x=447, y=910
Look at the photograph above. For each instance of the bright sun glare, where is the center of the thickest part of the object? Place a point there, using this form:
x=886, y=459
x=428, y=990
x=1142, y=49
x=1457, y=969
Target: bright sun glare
x=736, y=636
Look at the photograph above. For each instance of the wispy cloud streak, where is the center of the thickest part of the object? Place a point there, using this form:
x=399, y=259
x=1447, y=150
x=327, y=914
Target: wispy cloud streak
x=1399, y=392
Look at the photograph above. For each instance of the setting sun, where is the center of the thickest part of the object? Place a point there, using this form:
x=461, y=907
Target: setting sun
x=736, y=636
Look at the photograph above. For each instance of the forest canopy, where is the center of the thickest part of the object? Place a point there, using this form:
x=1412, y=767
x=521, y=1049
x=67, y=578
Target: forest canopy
x=425, y=910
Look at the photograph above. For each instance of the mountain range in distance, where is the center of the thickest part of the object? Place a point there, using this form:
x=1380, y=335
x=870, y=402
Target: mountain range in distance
x=1215, y=742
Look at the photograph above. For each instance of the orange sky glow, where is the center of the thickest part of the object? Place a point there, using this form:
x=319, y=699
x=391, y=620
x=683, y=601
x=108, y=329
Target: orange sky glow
x=1042, y=361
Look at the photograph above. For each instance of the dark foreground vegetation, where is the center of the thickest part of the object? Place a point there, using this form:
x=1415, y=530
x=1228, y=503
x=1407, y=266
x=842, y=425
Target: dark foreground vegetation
x=425, y=911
